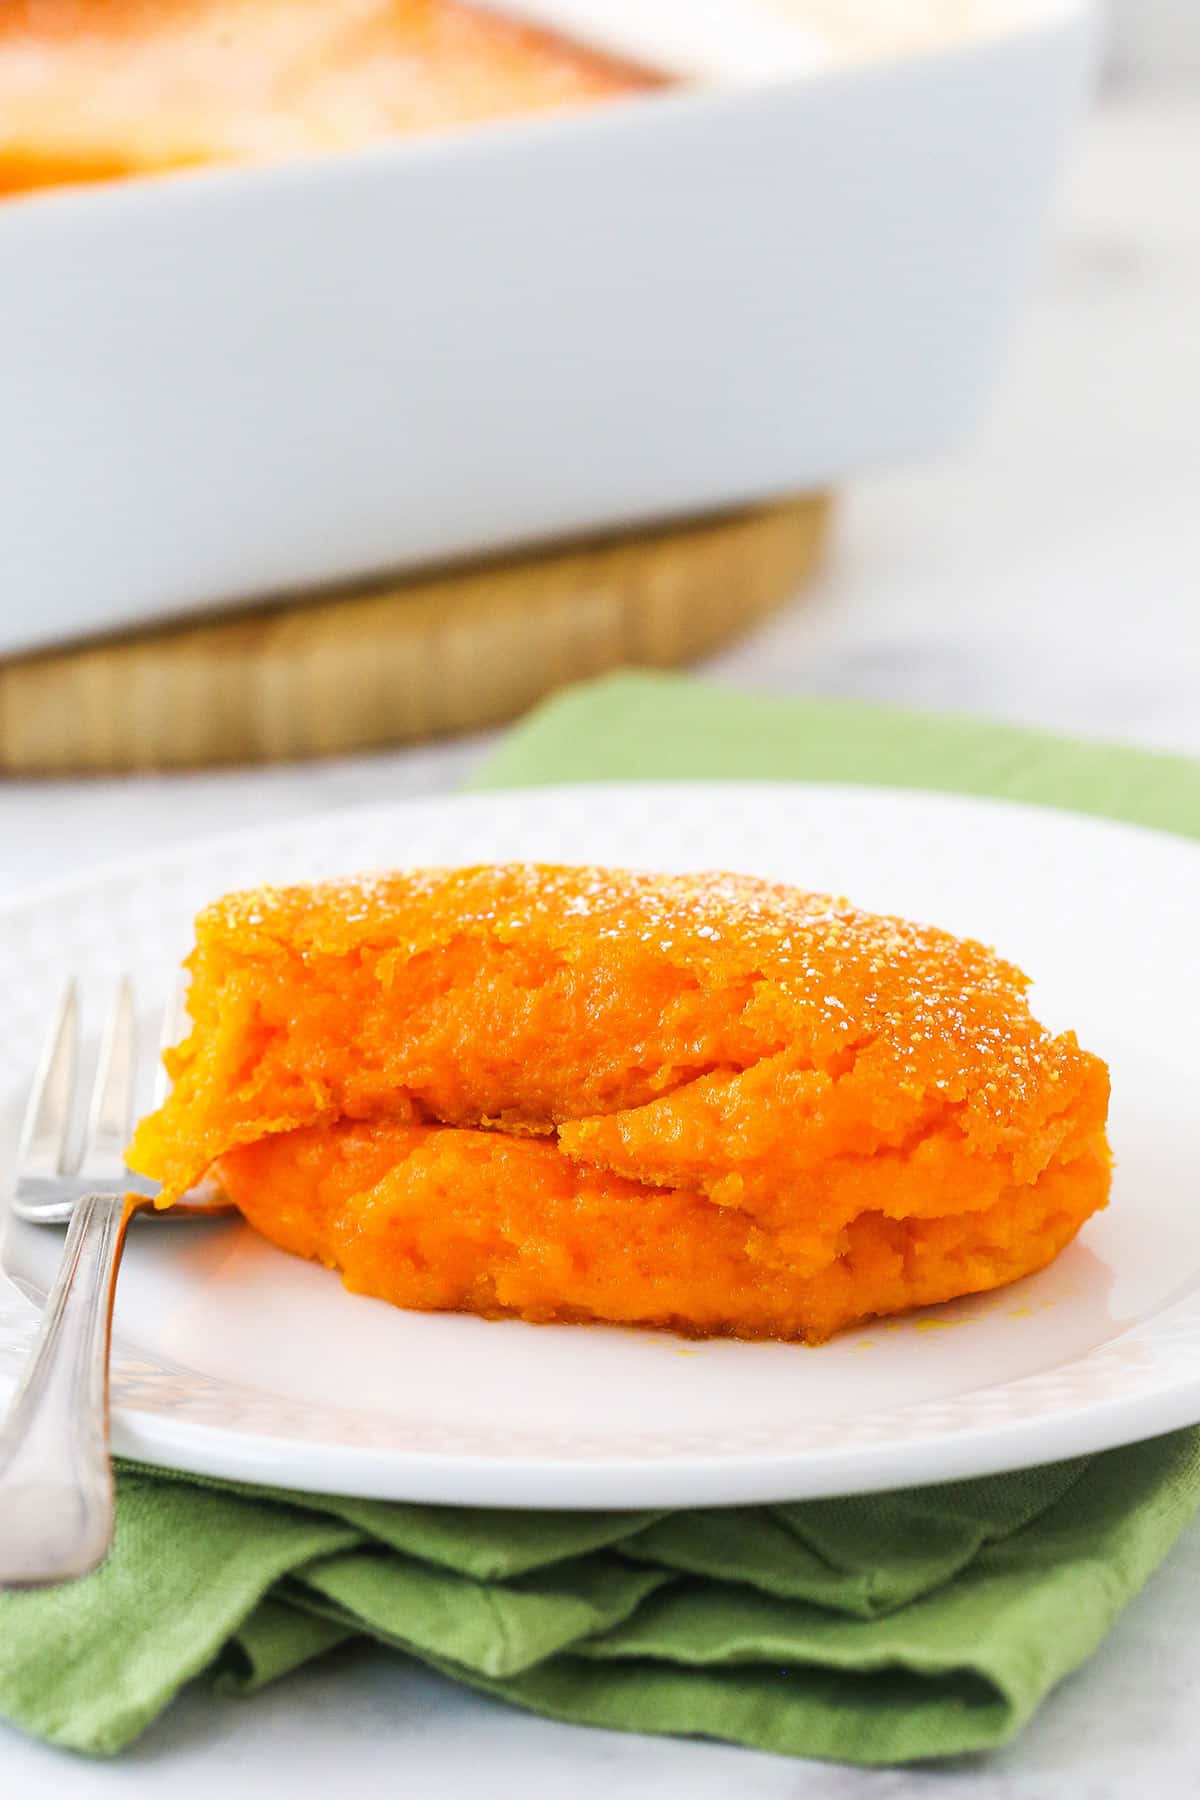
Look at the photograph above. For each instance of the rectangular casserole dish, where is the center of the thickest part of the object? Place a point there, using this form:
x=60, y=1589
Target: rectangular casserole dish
x=221, y=385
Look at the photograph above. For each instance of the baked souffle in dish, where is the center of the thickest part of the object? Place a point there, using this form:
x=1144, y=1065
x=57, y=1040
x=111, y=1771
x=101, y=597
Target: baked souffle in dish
x=92, y=90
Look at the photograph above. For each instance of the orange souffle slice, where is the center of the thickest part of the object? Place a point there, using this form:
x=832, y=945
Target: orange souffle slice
x=93, y=89
x=708, y=1103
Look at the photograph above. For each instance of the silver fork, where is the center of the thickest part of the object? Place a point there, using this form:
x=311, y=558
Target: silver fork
x=56, y=1482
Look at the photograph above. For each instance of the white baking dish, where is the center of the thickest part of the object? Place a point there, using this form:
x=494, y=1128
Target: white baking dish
x=221, y=385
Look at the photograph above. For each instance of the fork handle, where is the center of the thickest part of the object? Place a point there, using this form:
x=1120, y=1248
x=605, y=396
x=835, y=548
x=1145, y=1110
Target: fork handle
x=56, y=1481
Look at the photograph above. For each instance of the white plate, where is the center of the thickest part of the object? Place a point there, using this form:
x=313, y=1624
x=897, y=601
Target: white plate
x=234, y=1359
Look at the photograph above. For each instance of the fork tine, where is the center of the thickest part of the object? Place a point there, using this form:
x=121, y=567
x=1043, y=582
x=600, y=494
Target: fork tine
x=110, y=1116
x=174, y=1028
x=47, y=1121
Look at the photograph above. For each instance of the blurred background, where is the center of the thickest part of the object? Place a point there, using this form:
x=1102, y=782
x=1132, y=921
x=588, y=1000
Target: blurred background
x=1159, y=39
x=1039, y=565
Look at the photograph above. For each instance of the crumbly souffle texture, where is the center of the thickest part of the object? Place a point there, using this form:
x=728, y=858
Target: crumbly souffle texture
x=706, y=1102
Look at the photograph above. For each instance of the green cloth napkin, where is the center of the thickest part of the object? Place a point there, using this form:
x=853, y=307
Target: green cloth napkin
x=875, y=1630
x=644, y=727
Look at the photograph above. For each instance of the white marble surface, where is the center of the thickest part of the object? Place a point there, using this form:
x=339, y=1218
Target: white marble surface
x=1158, y=39
x=1047, y=572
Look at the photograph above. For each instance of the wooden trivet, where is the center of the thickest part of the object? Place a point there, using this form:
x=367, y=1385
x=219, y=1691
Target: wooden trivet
x=416, y=658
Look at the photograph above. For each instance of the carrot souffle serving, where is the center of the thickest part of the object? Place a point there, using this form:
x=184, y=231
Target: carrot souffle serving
x=95, y=89
x=707, y=1103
